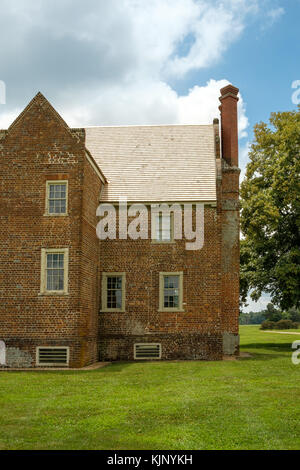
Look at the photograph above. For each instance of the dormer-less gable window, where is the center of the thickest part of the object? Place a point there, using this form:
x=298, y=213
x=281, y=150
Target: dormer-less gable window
x=57, y=198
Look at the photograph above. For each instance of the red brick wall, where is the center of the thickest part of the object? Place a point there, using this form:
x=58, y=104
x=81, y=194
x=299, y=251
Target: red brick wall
x=142, y=322
x=230, y=249
x=40, y=147
x=229, y=124
x=228, y=208
x=37, y=148
x=89, y=270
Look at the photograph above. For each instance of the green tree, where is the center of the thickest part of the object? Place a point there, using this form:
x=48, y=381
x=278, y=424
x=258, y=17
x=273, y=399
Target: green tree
x=270, y=217
x=252, y=318
x=294, y=315
x=272, y=313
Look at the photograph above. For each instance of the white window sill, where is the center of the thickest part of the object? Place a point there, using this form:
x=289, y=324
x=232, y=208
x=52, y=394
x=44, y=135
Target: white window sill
x=55, y=215
x=55, y=294
x=171, y=310
x=112, y=311
x=156, y=242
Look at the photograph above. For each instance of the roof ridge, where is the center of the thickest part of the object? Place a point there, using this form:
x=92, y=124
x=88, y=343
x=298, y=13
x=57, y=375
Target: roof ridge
x=148, y=125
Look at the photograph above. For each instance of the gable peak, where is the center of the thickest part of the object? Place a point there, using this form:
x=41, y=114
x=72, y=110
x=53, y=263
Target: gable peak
x=39, y=100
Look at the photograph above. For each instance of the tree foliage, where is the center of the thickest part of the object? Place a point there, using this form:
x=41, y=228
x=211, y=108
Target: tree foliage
x=252, y=318
x=270, y=314
x=273, y=314
x=270, y=217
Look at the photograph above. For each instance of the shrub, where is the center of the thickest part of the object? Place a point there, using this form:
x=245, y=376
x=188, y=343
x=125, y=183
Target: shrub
x=284, y=325
x=295, y=325
x=267, y=325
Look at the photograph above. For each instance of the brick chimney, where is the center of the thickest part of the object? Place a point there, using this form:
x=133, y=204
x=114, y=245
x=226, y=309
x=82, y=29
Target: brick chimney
x=229, y=124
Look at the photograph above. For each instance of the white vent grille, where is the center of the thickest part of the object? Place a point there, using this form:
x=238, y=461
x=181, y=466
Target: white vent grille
x=147, y=351
x=52, y=356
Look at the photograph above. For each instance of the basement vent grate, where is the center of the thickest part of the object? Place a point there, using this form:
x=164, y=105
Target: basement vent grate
x=147, y=351
x=54, y=356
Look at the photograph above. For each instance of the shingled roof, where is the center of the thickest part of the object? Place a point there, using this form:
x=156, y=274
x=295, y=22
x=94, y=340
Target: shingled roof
x=155, y=163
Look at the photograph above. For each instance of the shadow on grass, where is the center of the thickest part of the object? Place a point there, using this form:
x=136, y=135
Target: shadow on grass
x=112, y=367
x=273, y=346
x=260, y=356
x=117, y=366
x=272, y=350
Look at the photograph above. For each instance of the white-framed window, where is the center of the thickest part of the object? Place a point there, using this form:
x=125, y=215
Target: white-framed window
x=171, y=292
x=164, y=228
x=54, y=270
x=52, y=356
x=113, y=292
x=144, y=351
x=56, y=197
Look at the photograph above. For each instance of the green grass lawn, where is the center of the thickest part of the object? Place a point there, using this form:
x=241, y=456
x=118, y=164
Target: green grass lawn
x=251, y=403
x=294, y=330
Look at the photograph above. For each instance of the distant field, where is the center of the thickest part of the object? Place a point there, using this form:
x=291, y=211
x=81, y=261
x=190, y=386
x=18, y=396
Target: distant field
x=292, y=330
x=251, y=403
x=295, y=330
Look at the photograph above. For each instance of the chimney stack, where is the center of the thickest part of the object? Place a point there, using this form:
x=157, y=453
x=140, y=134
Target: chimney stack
x=229, y=124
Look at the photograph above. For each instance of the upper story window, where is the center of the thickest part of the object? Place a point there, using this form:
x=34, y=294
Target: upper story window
x=171, y=292
x=57, y=198
x=164, y=228
x=54, y=271
x=113, y=292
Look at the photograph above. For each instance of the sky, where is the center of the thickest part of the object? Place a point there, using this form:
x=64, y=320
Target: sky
x=122, y=62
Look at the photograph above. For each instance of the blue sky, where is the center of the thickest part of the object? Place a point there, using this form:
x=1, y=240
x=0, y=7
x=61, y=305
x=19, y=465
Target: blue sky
x=263, y=62
x=117, y=62
x=257, y=50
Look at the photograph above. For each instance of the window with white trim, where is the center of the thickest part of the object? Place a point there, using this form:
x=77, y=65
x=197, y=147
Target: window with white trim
x=164, y=228
x=54, y=270
x=171, y=292
x=57, y=198
x=113, y=292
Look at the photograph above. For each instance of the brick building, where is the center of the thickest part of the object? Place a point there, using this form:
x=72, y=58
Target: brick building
x=71, y=299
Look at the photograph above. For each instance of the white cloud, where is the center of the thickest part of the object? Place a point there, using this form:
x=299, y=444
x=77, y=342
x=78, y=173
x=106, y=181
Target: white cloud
x=106, y=63
x=7, y=118
x=272, y=15
x=213, y=29
x=201, y=105
x=142, y=102
x=275, y=13
x=261, y=304
x=174, y=37
x=243, y=158
x=68, y=42
x=153, y=102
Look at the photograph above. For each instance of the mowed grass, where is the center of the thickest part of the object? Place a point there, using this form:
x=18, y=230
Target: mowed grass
x=291, y=330
x=251, y=403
